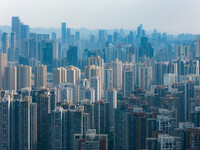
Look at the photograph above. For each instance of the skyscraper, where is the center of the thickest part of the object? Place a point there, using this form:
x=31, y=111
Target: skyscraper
x=198, y=47
x=24, y=34
x=16, y=29
x=128, y=83
x=120, y=127
x=42, y=98
x=40, y=76
x=108, y=78
x=145, y=77
x=68, y=36
x=73, y=74
x=117, y=74
x=56, y=117
x=59, y=76
x=11, y=78
x=12, y=49
x=72, y=51
x=95, y=83
x=5, y=123
x=5, y=43
x=23, y=77
x=91, y=141
x=3, y=64
x=53, y=36
x=48, y=55
x=111, y=97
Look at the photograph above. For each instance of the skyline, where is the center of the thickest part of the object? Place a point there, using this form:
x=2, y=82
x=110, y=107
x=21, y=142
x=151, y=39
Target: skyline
x=97, y=17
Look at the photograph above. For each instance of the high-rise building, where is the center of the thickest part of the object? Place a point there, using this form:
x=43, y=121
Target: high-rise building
x=5, y=123
x=16, y=29
x=40, y=76
x=77, y=36
x=108, y=78
x=11, y=78
x=64, y=34
x=55, y=140
x=198, y=47
x=182, y=52
x=73, y=74
x=3, y=64
x=59, y=76
x=163, y=142
x=12, y=50
x=127, y=83
x=21, y=129
x=72, y=51
x=145, y=77
x=24, y=34
x=95, y=83
x=75, y=125
x=23, y=77
x=120, y=127
x=48, y=55
x=42, y=98
x=101, y=117
x=111, y=97
x=137, y=129
x=98, y=61
x=33, y=126
x=33, y=48
x=5, y=43
x=91, y=141
x=69, y=36
x=117, y=74
x=102, y=39
x=53, y=36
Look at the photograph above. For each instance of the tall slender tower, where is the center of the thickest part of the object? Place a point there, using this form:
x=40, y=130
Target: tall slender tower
x=64, y=34
x=117, y=74
x=40, y=76
x=5, y=123
x=5, y=43
x=198, y=46
x=3, y=64
x=16, y=29
x=12, y=50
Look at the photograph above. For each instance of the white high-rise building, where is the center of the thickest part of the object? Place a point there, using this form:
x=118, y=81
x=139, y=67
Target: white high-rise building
x=73, y=74
x=98, y=61
x=95, y=83
x=111, y=97
x=117, y=74
x=170, y=79
x=59, y=76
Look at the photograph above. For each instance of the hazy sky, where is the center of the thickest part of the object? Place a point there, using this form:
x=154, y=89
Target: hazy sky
x=174, y=16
